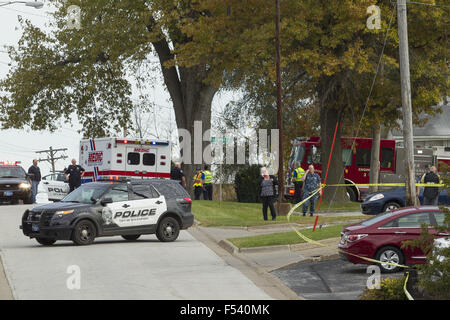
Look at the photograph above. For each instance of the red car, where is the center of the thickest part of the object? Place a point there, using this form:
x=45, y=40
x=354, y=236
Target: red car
x=381, y=237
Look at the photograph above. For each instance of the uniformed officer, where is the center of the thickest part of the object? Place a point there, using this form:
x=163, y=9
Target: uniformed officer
x=207, y=184
x=297, y=178
x=311, y=182
x=431, y=194
x=198, y=184
x=73, y=174
x=177, y=174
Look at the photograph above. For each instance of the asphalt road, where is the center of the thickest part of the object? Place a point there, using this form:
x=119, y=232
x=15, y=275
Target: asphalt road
x=332, y=279
x=113, y=268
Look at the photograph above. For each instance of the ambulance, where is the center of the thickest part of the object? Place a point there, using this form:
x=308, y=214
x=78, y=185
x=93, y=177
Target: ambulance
x=115, y=158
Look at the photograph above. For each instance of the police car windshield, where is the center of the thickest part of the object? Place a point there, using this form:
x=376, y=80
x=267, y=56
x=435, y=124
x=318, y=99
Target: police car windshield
x=86, y=192
x=12, y=172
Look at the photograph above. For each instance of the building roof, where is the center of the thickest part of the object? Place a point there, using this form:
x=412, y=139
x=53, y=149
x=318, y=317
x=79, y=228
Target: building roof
x=436, y=126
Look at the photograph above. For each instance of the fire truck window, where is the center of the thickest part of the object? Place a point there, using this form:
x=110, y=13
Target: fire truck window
x=148, y=159
x=133, y=158
x=386, y=158
x=314, y=155
x=363, y=157
x=347, y=157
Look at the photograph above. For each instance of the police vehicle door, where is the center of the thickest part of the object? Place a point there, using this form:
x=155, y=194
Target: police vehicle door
x=132, y=208
x=55, y=186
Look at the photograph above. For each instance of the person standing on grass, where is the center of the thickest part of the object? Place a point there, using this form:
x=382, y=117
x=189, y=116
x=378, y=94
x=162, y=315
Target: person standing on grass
x=198, y=184
x=311, y=182
x=267, y=185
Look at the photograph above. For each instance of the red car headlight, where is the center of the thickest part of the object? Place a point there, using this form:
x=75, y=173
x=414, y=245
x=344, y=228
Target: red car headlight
x=356, y=237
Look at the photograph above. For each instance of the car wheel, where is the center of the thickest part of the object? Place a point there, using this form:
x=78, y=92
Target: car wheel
x=168, y=229
x=131, y=237
x=392, y=255
x=46, y=241
x=84, y=232
x=390, y=206
x=352, y=194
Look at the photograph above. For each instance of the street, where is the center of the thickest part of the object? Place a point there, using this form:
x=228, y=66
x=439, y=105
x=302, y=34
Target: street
x=113, y=268
x=331, y=279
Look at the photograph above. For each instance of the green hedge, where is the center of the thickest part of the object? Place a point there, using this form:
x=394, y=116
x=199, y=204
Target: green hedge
x=246, y=184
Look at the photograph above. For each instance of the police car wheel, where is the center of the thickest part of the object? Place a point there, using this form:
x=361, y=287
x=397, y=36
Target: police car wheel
x=131, y=237
x=168, y=230
x=84, y=232
x=45, y=241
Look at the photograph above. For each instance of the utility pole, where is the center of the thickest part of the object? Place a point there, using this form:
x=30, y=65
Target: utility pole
x=411, y=198
x=51, y=156
x=279, y=107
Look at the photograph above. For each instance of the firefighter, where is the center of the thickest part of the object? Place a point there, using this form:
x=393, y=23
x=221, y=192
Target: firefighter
x=207, y=184
x=198, y=184
x=297, y=178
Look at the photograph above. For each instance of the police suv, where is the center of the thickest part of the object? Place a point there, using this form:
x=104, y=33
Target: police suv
x=117, y=206
x=15, y=183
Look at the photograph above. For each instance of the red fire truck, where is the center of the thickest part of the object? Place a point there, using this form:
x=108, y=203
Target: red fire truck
x=307, y=151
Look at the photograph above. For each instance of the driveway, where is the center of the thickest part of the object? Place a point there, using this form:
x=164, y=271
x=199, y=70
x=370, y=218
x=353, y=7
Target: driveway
x=327, y=280
x=113, y=268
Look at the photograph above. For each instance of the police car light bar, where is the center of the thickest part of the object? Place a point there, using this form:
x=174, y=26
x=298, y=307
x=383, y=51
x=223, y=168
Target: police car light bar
x=9, y=163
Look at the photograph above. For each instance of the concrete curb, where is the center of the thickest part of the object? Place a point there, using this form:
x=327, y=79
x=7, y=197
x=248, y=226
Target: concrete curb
x=231, y=248
x=6, y=290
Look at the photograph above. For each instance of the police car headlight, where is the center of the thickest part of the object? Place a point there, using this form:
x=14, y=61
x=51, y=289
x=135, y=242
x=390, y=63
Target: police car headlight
x=61, y=213
x=24, y=186
x=377, y=197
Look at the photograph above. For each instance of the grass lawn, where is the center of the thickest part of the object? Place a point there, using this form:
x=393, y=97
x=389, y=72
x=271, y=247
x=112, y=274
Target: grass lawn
x=214, y=214
x=286, y=237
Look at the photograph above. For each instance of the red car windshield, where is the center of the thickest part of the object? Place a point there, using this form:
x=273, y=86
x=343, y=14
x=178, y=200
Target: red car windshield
x=379, y=218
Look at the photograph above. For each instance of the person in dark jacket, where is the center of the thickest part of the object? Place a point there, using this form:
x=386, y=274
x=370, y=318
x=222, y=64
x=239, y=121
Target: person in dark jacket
x=177, y=174
x=73, y=174
x=431, y=194
x=35, y=173
x=267, y=189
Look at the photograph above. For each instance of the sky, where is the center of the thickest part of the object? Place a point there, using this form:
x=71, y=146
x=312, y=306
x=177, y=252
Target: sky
x=21, y=145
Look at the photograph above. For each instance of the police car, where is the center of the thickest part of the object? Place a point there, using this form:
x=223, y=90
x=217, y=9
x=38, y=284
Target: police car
x=15, y=183
x=113, y=207
x=55, y=185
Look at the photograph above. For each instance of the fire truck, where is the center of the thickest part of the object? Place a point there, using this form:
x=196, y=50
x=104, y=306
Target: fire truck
x=114, y=158
x=306, y=151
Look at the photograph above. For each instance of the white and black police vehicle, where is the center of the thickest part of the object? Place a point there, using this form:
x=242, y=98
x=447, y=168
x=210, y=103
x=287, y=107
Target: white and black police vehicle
x=113, y=206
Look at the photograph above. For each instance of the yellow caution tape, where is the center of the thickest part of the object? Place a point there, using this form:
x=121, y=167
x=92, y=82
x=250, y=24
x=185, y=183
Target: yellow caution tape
x=404, y=288
x=384, y=185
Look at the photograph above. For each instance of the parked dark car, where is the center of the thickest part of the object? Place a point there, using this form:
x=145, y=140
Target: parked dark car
x=382, y=236
x=127, y=207
x=389, y=200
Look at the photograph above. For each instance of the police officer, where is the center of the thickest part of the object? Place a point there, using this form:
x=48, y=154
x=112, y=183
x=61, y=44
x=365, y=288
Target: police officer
x=311, y=182
x=431, y=194
x=297, y=178
x=207, y=184
x=73, y=174
x=198, y=184
x=35, y=178
x=177, y=174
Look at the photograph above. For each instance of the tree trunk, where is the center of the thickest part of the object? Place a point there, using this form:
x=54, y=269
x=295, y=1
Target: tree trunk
x=375, y=157
x=329, y=116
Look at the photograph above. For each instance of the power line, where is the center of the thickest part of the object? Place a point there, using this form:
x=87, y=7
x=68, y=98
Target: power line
x=51, y=156
x=429, y=4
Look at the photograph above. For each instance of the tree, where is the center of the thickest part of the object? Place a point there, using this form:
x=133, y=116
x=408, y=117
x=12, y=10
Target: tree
x=86, y=72
x=334, y=55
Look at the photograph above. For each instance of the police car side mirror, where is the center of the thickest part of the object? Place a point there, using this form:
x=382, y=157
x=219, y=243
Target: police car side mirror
x=105, y=201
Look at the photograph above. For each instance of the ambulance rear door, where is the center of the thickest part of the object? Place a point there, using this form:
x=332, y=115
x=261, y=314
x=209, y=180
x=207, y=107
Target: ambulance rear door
x=141, y=160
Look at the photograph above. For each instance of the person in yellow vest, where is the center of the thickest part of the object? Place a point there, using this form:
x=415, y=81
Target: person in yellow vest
x=198, y=183
x=207, y=184
x=297, y=178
